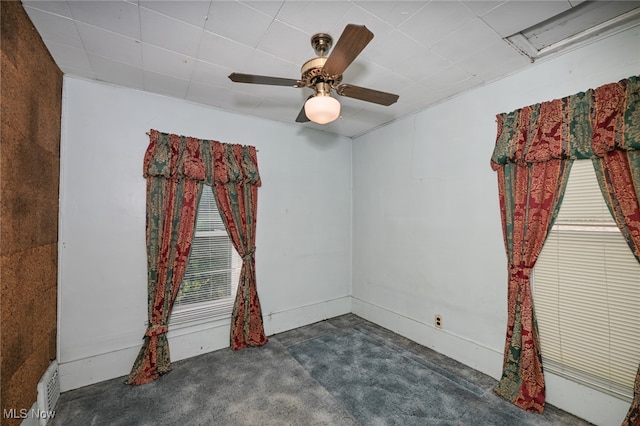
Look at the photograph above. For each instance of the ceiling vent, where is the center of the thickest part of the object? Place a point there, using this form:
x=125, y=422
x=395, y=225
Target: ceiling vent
x=586, y=22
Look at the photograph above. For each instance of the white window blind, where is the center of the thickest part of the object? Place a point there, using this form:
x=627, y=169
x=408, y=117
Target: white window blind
x=586, y=288
x=208, y=289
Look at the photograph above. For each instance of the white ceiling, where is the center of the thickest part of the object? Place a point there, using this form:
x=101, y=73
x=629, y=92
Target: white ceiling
x=424, y=51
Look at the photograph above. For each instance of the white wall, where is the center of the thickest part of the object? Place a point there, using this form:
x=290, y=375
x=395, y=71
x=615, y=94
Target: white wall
x=427, y=237
x=303, y=237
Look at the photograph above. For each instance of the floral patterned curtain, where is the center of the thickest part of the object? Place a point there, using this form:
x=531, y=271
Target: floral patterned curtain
x=176, y=167
x=530, y=186
x=601, y=124
x=616, y=140
x=236, y=191
x=174, y=178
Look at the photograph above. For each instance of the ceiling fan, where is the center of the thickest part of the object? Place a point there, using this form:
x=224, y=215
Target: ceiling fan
x=324, y=74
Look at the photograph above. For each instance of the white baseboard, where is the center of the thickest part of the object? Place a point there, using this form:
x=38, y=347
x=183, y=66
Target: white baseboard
x=473, y=354
x=186, y=342
x=94, y=369
x=596, y=407
x=277, y=322
x=589, y=404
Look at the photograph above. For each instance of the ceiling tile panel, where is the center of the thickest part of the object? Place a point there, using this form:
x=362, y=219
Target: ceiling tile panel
x=220, y=97
x=110, y=45
x=372, y=75
x=70, y=59
x=450, y=76
x=514, y=16
x=237, y=21
x=281, y=106
x=461, y=86
x=414, y=95
x=287, y=42
x=312, y=17
x=422, y=63
x=482, y=7
x=162, y=31
x=436, y=21
x=465, y=40
x=166, y=62
x=360, y=16
x=269, y=92
x=263, y=63
x=211, y=74
x=495, y=61
x=58, y=7
x=393, y=12
x=192, y=12
x=117, y=16
x=395, y=47
x=268, y=7
x=56, y=28
x=223, y=51
x=116, y=72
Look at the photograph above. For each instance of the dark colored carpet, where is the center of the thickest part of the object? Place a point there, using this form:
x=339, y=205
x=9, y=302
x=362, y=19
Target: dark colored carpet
x=342, y=371
x=381, y=384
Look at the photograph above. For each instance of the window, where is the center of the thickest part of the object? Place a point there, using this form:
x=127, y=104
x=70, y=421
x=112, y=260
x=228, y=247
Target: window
x=586, y=290
x=208, y=288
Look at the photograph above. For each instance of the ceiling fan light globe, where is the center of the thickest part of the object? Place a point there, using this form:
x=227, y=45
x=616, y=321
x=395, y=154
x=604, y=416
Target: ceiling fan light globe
x=322, y=109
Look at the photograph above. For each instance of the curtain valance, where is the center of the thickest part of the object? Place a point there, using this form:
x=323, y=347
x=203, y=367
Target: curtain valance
x=182, y=157
x=579, y=126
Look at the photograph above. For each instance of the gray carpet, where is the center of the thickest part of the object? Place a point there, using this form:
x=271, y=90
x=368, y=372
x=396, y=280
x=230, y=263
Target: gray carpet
x=342, y=371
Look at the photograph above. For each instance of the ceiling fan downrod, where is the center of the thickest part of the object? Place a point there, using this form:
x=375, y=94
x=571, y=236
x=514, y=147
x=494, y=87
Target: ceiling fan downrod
x=321, y=43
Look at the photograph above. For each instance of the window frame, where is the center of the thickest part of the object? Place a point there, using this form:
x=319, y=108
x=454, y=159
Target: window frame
x=587, y=218
x=207, y=310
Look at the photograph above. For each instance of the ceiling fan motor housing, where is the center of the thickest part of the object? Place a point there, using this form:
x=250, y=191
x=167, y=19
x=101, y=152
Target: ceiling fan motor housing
x=311, y=73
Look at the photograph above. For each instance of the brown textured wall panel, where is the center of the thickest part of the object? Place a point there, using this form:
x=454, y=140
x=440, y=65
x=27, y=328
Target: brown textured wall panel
x=30, y=108
x=29, y=175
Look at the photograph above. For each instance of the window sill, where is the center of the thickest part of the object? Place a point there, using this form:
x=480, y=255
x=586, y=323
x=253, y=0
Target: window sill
x=200, y=314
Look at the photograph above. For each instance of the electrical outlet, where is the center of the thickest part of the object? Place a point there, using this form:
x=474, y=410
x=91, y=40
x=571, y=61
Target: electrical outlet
x=438, y=321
